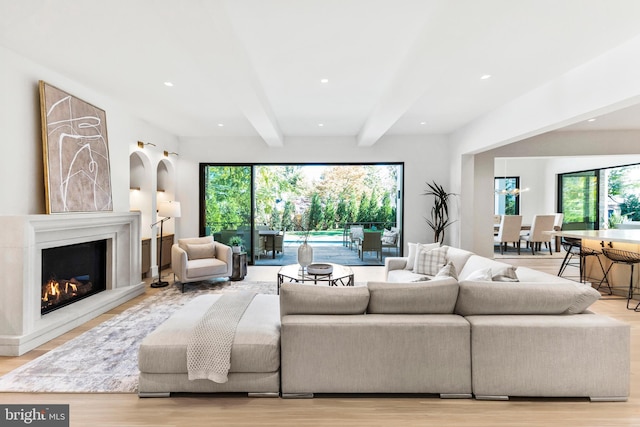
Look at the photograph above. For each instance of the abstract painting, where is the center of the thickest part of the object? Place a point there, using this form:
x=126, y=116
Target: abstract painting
x=76, y=153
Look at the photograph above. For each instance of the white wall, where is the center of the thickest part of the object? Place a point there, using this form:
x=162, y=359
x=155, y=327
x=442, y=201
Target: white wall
x=602, y=85
x=21, y=162
x=425, y=159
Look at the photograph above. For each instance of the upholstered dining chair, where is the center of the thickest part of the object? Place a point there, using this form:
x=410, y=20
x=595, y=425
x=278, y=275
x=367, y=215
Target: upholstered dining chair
x=509, y=232
x=541, y=227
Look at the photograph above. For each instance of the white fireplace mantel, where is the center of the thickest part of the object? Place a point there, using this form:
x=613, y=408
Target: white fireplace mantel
x=22, y=327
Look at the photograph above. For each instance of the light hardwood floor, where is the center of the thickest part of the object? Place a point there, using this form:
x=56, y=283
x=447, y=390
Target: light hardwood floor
x=112, y=410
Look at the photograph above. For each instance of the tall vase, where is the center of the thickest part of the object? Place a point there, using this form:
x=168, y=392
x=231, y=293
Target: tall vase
x=305, y=255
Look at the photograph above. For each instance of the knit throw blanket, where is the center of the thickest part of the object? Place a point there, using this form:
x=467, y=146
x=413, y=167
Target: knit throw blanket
x=209, y=346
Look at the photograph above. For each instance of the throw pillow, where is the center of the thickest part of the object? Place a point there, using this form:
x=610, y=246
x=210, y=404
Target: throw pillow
x=200, y=250
x=449, y=270
x=505, y=274
x=482, y=275
x=429, y=262
x=389, y=237
x=414, y=249
x=421, y=279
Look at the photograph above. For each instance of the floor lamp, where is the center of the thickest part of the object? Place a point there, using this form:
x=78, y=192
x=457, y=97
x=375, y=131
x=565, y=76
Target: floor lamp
x=168, y=210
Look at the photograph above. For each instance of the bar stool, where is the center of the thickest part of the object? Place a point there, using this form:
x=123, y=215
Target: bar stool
x=573, y=247
x=619, y=256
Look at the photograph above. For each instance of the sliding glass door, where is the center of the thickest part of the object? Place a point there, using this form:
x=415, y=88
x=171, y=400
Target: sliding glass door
x=272, y=207
x=226, y=202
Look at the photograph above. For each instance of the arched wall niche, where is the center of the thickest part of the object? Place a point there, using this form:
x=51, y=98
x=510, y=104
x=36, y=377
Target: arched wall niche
x=141, y=190
x=166, y=186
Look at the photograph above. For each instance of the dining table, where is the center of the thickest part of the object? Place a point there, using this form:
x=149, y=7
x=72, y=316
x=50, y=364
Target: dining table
x=272, y=234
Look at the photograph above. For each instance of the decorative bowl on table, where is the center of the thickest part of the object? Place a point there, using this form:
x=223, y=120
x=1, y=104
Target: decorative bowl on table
x=320, y=269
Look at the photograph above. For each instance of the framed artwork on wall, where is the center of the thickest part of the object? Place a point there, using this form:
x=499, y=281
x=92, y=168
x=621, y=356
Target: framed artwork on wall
x=77, y=174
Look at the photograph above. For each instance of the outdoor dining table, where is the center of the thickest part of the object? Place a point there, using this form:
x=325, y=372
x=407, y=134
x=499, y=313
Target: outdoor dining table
x=273, y=234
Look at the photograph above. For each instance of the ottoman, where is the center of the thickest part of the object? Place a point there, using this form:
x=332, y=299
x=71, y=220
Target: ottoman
x=255, y=354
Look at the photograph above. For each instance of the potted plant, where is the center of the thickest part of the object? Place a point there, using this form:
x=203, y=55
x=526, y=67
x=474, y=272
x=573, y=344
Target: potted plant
x=236, y=244
x=439, y=219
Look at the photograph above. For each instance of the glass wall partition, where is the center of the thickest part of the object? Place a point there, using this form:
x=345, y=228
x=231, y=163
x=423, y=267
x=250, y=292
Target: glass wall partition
x=273, y=207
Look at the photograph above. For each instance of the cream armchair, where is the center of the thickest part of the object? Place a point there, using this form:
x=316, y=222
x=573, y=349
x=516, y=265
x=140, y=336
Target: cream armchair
x=200, y=258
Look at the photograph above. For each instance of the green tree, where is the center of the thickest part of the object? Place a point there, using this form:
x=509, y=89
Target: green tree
x=315, y=212
x=363, y=215
x=385, y=213
x=287, y=216
x=329, y=215
x=372, y=209
x=342, y=211
x=630, y=207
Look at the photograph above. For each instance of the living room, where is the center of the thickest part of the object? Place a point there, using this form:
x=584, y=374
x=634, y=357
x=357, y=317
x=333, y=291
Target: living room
x=532, y=121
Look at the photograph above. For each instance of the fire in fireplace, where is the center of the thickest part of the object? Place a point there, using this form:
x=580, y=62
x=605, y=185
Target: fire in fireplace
x=71, y=273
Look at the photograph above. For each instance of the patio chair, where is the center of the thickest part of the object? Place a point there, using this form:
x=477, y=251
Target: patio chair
x=372, y=241
x=356, y=234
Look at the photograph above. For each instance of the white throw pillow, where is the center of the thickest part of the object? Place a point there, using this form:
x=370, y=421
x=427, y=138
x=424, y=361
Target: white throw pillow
x=429, y=262
x=389, y=237
x=200, y=251
x=414, y=249
x=449, y=270
x=505, y=274
x=482, y=275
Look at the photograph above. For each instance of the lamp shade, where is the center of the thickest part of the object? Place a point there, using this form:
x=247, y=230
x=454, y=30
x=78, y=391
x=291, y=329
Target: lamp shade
x=169, y=209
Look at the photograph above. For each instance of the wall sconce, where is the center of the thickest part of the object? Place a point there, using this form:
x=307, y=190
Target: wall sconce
x=142, y=144
x=166, y=153
x=134, y=188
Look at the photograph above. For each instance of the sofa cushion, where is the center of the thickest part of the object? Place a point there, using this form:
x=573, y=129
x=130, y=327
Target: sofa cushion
x=477, y=262
x=405, y=276
x=296, y=298
x=458, y=257
x=481, y=275
x=200, y=250
x=429, y=262
x=478, y=298
x=256, y=347
x=194, y=241
x=205, y=267
x=437, y=296
x=414, y=250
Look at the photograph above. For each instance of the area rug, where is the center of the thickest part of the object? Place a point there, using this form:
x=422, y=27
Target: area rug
x=105, y=358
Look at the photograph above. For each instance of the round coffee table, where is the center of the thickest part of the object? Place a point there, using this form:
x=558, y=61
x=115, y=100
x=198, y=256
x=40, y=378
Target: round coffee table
x=341, y=274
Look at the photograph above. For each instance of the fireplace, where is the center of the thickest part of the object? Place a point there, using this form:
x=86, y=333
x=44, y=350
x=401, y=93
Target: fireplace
x=71, y=273
x=23, y=327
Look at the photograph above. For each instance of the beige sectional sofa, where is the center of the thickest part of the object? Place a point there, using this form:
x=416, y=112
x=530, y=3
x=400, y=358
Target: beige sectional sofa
x=458, y=334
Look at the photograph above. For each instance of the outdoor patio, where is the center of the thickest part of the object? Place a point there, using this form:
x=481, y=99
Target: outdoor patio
x=325, y=249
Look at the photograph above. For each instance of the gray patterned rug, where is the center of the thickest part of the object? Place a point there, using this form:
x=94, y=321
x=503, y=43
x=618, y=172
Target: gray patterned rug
x=105, y=358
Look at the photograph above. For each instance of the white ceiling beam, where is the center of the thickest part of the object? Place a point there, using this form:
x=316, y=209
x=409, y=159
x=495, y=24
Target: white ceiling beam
x=210, y=38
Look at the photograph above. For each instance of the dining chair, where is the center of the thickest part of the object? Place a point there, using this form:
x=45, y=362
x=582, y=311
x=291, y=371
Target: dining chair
x=509, y=232
x=541, y=227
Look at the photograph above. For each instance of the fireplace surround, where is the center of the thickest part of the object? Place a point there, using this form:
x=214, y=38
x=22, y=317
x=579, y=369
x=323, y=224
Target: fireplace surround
x=22, y=325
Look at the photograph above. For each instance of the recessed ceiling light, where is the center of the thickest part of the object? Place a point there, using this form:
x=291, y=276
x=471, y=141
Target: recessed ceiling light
x=485, y=76
x=320, y=124
x=591, y=120
x=324, y=80
x=423, y=123
x=220, y=124
x=168, y=84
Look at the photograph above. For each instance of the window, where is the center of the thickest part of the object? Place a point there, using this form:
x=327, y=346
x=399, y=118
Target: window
x=578, y=200
x=253, y=200
x=599, y=198
x=506, y=203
